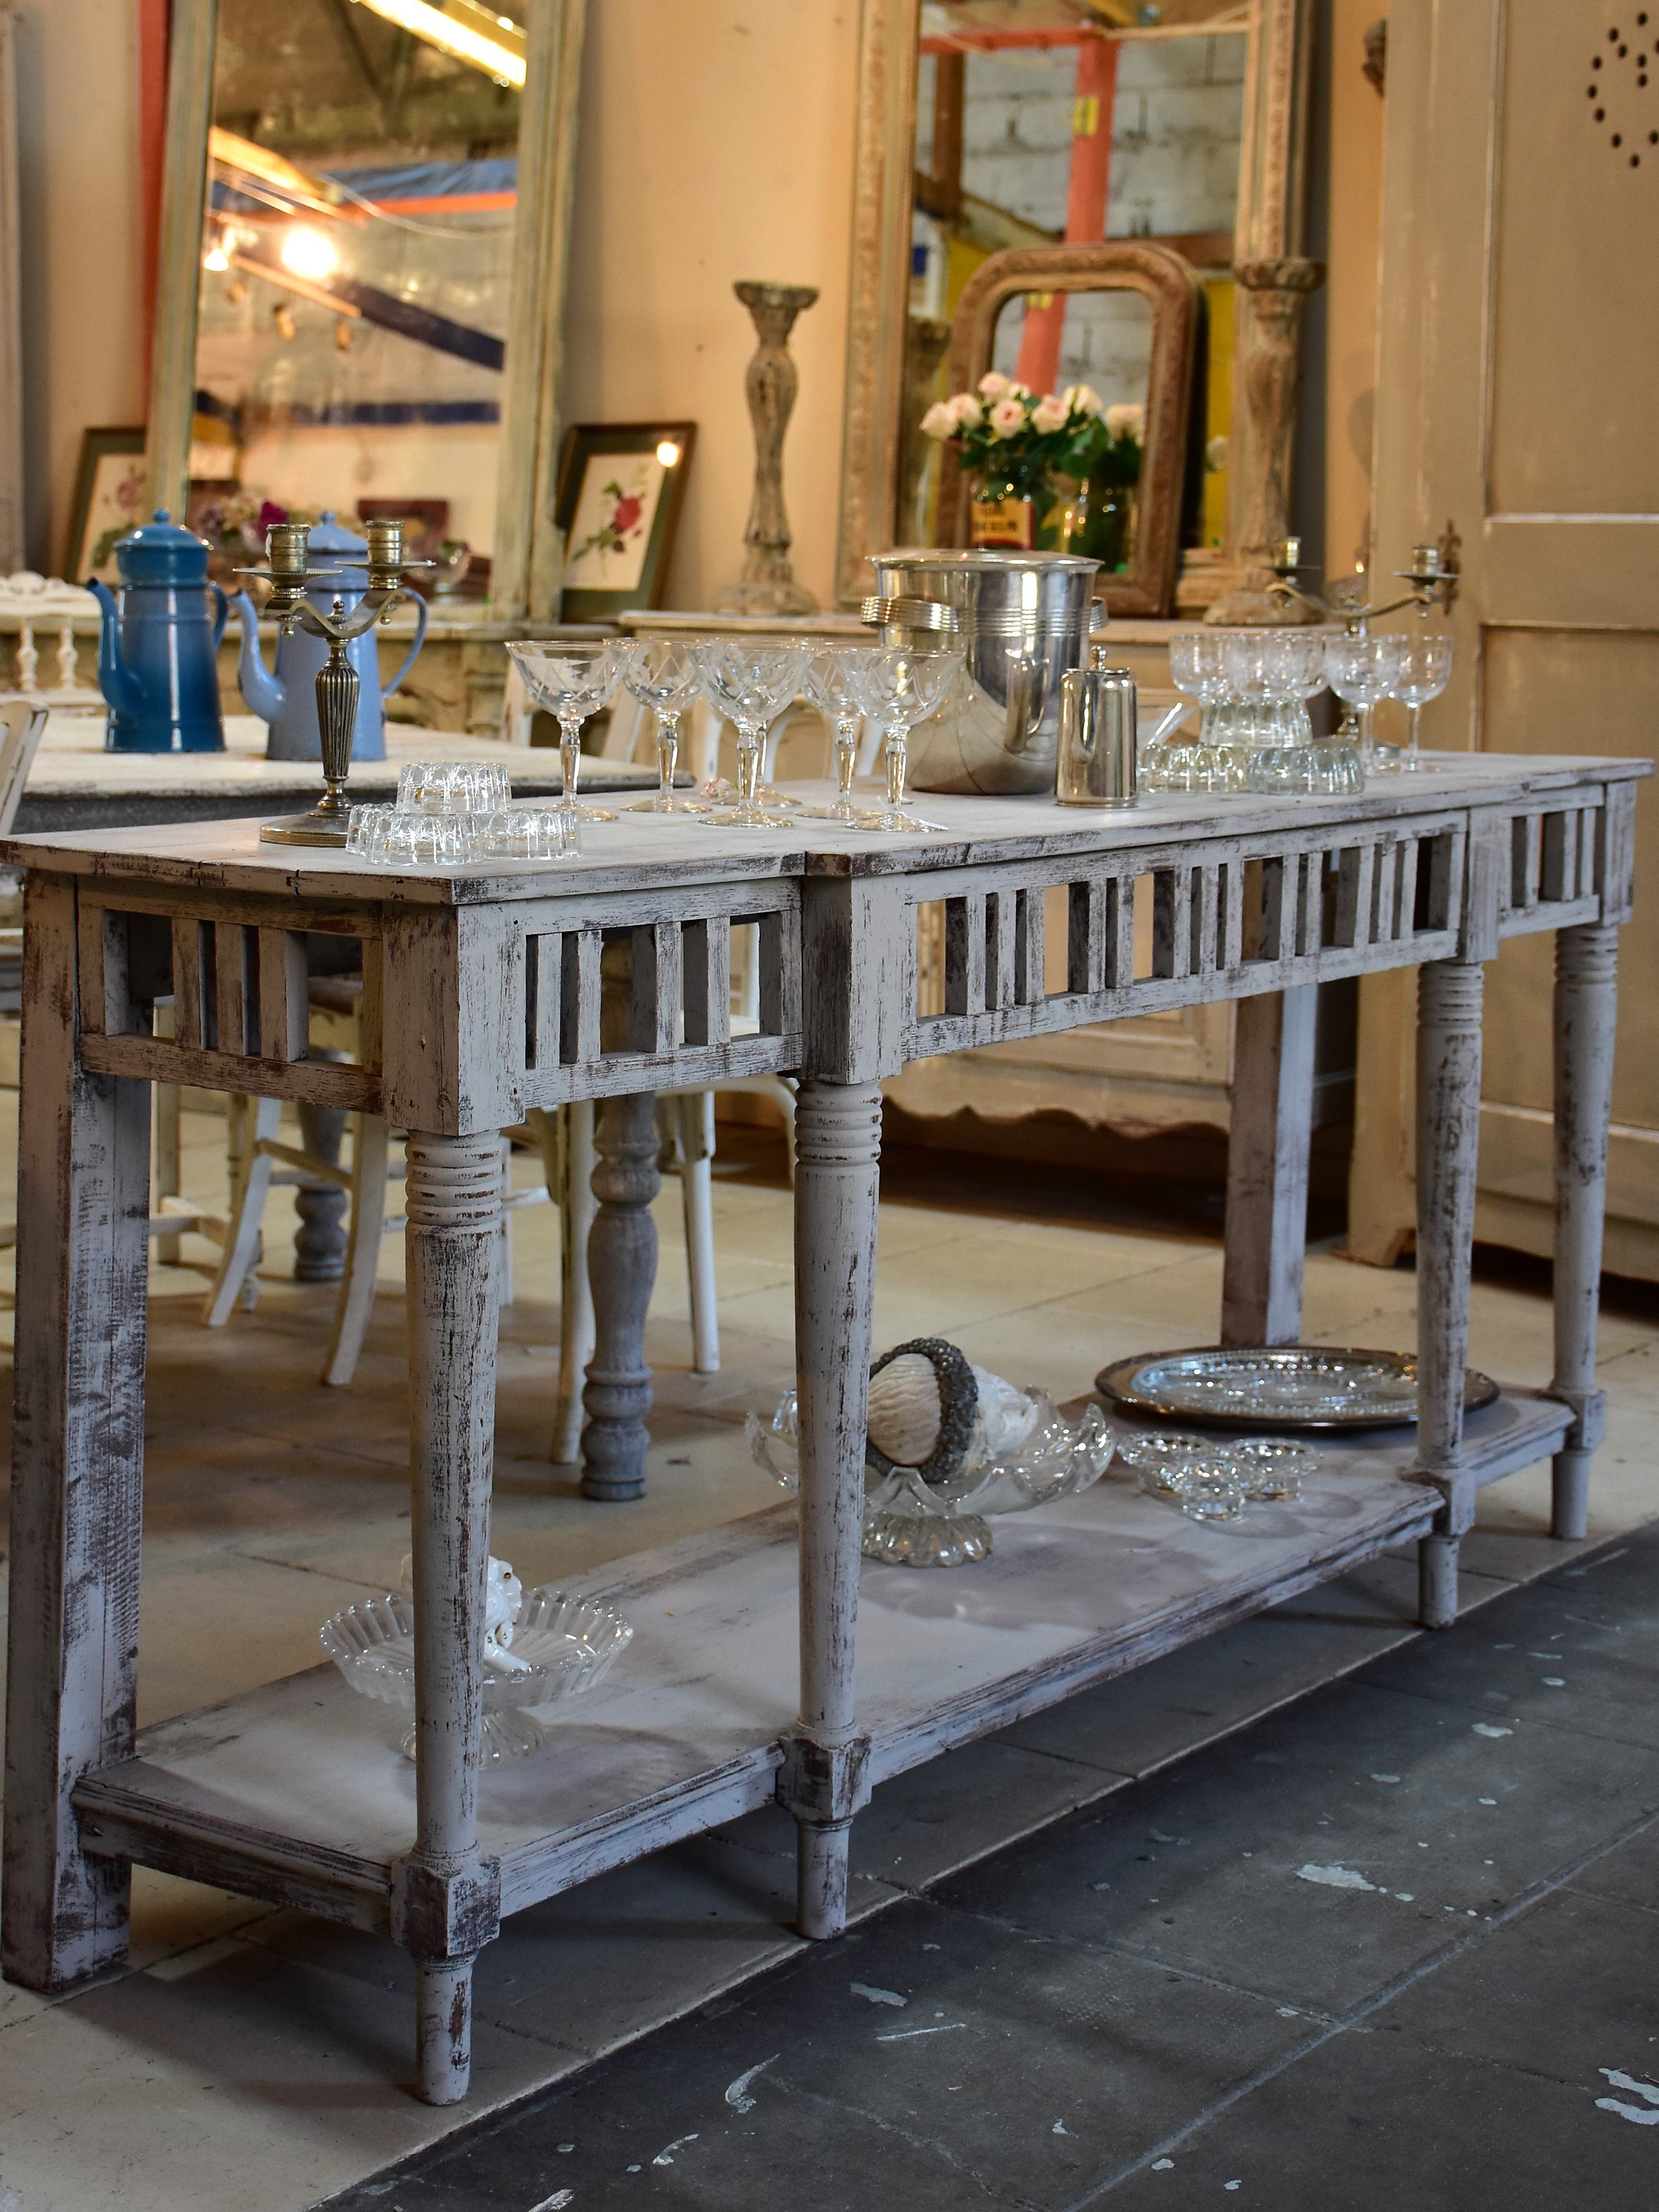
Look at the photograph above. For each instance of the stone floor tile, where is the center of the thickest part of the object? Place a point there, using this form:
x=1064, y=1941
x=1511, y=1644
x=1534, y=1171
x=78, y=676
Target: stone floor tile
x=1373, y=2121
x=1207, y=1868
x=855, y=2093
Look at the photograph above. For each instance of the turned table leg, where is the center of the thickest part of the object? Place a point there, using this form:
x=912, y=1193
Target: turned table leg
x=822, y=1780
x=1447, y=1133
x=1586, y=967
x=621, y=1261
x=1271, y=1128
x=77, y=1456
x=319, y=1241
x=446, y=1896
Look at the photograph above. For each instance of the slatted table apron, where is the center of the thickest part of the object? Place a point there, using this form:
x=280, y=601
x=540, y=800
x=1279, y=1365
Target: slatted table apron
x=483, y=998
x=924, y=949
x=490, y=992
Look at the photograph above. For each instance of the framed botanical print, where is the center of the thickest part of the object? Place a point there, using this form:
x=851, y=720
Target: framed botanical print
x=619, y=501
x=109, y=500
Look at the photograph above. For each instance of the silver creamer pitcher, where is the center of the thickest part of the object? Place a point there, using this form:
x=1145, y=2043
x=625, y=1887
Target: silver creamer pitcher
x=1021, y=620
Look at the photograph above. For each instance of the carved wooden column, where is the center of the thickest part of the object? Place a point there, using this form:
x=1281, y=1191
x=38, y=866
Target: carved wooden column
x=1273, y=297
x=446, y=1898
x=767, y=585
x=621, y=1265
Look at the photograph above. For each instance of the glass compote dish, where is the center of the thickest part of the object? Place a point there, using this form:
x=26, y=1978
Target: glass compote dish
x=750, y=683
x=828, y=677
x=1288, y=669
x=1198, y=666
x=1361, y=669
x=898, y=688
x=1425, y=671
x=573, y=682
x=663, y=674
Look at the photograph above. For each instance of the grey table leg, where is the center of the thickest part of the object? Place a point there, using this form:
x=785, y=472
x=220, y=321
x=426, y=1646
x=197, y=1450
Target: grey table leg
x=1448, y=1134
x=446, y=1896
x=822, y=1780
x=319, y=1241
x=77, y=1463
x=1271, y=1130
x=621, y=1262
x=1586, y=968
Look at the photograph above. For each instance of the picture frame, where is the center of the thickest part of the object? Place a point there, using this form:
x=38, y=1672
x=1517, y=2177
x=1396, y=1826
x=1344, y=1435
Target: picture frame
x=617, y=506
x=111, y=490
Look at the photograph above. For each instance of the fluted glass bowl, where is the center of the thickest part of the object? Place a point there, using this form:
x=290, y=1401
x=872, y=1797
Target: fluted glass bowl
x=569, y=1645
x=911, y=1522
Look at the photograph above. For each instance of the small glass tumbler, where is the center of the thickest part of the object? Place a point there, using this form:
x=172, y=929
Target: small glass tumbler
x=1212, y=1490
x=453, y=786
x=526, y=833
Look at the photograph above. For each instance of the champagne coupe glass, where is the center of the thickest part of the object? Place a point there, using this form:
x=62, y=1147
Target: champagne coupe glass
x=1198, y=664
x=828, y=679
x=898, y=688
x=1361, y=670
x=662, y=673
x=751, y=684
x=1425, y=671
x=571, y=682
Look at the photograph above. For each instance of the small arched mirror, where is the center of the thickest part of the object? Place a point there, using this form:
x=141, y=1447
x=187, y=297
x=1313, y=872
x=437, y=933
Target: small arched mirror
x=1114, y=328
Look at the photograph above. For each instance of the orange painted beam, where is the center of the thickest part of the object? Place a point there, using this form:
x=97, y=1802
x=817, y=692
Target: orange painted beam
x=1087, y=196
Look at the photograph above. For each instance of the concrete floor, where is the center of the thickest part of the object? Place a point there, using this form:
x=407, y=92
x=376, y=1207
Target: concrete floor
x=252, y=2061
x=1391, y=1947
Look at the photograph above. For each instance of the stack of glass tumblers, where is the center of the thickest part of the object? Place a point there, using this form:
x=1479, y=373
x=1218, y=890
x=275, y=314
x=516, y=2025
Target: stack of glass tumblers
x=1255, y=733
x=450, y=812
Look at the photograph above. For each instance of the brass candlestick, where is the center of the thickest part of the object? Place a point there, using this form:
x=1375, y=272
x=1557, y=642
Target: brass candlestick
x=767, y=585
x=1433, y=579
x=288, y=551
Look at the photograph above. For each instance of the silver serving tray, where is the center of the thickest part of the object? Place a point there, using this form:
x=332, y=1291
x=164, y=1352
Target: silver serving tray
x=1292, y=1386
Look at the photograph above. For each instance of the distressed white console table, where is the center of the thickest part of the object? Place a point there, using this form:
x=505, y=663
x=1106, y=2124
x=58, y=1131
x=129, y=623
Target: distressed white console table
x=484, y=995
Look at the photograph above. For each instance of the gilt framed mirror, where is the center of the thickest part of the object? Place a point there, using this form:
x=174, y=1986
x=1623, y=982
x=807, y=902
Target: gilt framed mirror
x=1123, y=321
x=986, y=126
x=364, y=220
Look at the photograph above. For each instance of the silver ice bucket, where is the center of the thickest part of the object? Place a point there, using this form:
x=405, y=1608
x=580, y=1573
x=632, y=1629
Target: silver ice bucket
x=1022, y=620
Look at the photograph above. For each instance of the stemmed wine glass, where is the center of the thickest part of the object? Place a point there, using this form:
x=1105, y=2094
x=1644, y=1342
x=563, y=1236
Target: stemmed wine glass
x=572, y=681
x=898, y=688
x=1425, y=671
x=663, y=674
x=829, y=680
x=1361, y=670
x=751, y=684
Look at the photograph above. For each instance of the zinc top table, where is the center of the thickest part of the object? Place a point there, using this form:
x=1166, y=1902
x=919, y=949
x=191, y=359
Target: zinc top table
x=485, y=995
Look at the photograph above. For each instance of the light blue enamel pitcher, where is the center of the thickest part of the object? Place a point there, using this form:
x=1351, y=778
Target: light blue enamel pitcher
x=288, y=700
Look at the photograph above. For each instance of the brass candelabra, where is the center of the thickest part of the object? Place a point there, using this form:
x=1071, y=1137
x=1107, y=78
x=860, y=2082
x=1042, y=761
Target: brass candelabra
x=287, y=550
x=1432, y=581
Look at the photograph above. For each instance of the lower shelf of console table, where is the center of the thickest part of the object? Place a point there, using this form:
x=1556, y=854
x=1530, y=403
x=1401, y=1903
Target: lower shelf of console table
x=296, y=1793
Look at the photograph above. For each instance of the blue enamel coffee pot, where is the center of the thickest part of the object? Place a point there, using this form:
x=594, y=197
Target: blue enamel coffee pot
x=156, y=665
x=288, y=700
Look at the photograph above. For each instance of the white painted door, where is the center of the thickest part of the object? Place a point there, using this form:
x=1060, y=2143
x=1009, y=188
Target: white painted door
x=1519, y=313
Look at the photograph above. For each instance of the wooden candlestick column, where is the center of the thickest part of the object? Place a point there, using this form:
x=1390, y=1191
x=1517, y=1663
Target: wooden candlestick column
x=767, y=585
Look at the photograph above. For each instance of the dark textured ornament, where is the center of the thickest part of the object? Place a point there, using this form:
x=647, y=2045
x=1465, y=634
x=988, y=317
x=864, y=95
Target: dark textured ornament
x=958, y=1398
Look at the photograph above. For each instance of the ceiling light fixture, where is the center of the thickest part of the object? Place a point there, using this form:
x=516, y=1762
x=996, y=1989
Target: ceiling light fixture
x=309, y=254
x=464, y=31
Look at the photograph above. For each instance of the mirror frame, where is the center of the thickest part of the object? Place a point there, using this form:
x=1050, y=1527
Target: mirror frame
x=1170, y=288
x=526, y=556
x=1273, y=281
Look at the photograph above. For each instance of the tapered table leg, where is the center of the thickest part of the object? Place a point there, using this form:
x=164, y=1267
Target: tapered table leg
x=822, y=1781
x=1447, y=1131
x=1586, y=968
x=1270, y=1131
x=77, y=1459
x=446, y=1897
x=621, y=1266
